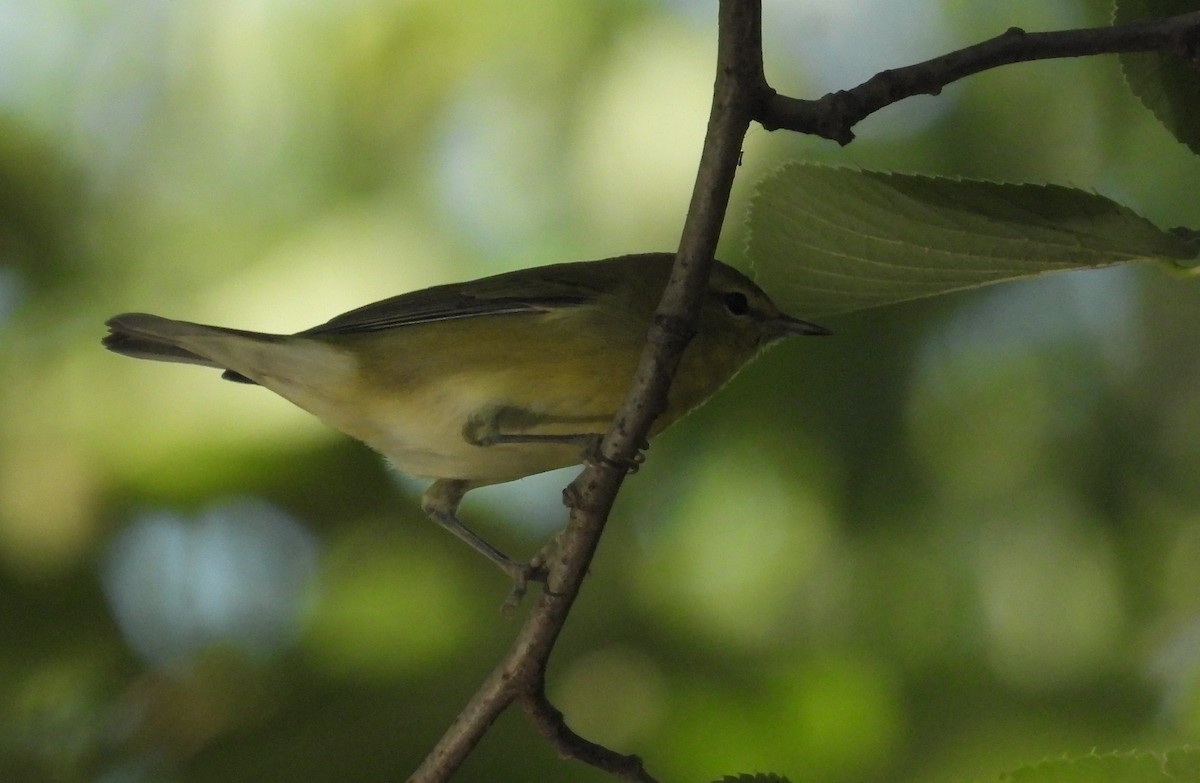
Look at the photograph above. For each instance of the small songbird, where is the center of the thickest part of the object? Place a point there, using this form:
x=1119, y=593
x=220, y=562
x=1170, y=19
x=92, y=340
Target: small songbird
x=486, y=381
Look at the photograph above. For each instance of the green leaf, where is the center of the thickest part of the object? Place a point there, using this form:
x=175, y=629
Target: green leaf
x=757, y=778
x=1165, y=83
x=1176, y=766
x=829, y=240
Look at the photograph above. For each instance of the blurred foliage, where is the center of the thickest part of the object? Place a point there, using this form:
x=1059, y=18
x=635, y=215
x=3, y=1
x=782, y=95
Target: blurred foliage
x=957, y=537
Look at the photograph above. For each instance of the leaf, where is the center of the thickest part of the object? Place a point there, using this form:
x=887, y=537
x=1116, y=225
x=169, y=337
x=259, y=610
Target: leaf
x=829, y=240
x=1176, y=766
x=757, y=778
x=1165, y=83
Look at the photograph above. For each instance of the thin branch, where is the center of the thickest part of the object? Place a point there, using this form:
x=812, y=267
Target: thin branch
x=548, y=720
x=468, y=728
x=833, y=116
x=738, y=94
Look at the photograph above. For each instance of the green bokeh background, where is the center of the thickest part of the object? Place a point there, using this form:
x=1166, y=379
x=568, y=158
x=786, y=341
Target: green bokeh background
x=958, y=536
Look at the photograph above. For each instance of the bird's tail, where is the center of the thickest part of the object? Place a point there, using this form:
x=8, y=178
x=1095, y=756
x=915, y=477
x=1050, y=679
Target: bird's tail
x=145, y=336
x=310, y=372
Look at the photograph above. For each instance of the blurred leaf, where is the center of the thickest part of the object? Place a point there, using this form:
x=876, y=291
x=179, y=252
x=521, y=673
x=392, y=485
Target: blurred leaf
x=1166, y=83
x=757, y=778
x=828, y=240
x=1176, y=765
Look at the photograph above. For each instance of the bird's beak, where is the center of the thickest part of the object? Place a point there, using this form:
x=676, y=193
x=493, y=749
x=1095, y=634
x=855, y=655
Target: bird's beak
x=787, y=326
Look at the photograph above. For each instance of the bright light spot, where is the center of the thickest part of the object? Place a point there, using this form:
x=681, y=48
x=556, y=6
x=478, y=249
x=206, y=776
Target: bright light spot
x=534, y=503
x=1050, y=595
x=39, y=44
x=833, y=718
x=615, y=696
x=492, y=177
x=345, y=258
x=1012, y=373
x=386, y=609
x=47, y=498
x=239, y=575
x=846, y=43
x=743, y=542
x=845, y=712
x=1098, y=309
x=639, y=146
x=1176, y=666
x=12, y=292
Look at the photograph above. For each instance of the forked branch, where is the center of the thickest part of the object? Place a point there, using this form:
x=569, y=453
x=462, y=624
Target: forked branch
x=834, y=115
x=741, y=95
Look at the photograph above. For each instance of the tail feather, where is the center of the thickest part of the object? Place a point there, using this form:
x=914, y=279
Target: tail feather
x=303, y=370
x=145, y=336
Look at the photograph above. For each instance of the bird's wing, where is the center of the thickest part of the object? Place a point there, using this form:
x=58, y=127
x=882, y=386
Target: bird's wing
x=553, y=288
x=402, y=311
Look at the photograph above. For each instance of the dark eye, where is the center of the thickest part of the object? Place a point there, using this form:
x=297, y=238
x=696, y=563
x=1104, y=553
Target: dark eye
x=735, y=302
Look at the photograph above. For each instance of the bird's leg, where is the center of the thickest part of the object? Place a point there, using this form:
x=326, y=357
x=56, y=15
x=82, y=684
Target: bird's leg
x=495, y=426
x=441, y=502
x=508, y=426
x=512, y=425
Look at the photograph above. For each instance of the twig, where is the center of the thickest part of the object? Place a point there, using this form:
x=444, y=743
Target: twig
x=833, y=115
x=738, y=93
x=548, y=720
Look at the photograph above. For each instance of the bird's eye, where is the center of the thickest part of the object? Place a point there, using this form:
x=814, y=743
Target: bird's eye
x=735, y=302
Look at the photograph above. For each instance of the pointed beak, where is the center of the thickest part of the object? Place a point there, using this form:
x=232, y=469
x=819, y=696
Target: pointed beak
x=787, y=326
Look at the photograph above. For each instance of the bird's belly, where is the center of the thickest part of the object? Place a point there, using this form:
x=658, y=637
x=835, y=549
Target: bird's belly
x=424, y=437
x=481, y=465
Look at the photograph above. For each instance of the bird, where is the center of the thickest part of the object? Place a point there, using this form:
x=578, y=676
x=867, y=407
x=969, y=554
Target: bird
x=487, y=381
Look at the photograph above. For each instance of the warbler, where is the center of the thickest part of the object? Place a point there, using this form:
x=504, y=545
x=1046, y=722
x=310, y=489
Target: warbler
x=487, y=381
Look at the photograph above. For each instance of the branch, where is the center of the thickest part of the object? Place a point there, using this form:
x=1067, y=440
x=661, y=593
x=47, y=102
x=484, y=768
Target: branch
x=548, y=720
x=833, y=116
x=738, y=95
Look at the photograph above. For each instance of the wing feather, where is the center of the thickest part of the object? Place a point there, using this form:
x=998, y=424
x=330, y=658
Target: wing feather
x=397, y=312
x=552, y=288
